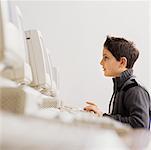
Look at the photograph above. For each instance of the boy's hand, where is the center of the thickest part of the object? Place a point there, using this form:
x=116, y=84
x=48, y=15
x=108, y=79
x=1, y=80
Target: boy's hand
x=93, y=108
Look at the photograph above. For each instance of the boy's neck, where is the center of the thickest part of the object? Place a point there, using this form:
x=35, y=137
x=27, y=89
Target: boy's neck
x=123, y=70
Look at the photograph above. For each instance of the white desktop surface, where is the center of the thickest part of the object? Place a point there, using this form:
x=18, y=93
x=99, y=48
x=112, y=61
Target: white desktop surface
x=26, y=132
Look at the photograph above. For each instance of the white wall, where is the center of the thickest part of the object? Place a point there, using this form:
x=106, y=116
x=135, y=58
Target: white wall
x=75, y=32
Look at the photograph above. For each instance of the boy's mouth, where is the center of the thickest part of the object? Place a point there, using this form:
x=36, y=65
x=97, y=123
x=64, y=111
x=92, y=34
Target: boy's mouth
x=103, y=69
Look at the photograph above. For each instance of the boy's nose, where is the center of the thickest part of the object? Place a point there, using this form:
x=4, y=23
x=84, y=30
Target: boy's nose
x=101, y=62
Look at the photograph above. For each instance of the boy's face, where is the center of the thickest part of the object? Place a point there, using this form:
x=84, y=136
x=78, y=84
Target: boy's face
x=111, y=67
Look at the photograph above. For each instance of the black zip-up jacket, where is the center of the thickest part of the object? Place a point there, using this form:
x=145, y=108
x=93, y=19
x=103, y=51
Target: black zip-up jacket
x=131, y=101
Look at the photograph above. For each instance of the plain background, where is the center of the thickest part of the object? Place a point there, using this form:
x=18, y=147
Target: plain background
x=74, y=32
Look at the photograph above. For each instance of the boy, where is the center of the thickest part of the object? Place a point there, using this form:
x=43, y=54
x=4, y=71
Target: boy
x=130, y=102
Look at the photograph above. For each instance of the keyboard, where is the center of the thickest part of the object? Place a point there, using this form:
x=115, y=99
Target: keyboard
x=66, y=114
x=77, y=117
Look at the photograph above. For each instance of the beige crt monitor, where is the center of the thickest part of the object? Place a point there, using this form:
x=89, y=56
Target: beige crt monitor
x=14, y=64
x=41, y=78
x=13, y=60
x=42, y=69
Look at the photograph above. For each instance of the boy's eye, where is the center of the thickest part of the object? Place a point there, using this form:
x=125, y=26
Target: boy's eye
x=105, y=57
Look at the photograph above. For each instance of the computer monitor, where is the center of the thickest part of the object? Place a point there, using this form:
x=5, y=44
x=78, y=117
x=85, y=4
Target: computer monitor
x=13, y=60
x=42, y=81
x=53, y=72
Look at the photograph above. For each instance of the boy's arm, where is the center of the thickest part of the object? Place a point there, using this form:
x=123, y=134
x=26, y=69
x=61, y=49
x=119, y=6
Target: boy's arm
x=137, y=104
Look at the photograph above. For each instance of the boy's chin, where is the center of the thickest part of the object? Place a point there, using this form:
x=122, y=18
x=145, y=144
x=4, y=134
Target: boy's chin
x=108, y=75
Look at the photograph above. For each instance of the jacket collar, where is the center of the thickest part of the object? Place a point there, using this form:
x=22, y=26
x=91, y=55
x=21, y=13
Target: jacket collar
x=119, y=81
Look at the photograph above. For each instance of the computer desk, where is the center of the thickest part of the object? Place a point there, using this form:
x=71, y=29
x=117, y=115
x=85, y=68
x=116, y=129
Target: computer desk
x=32, y=133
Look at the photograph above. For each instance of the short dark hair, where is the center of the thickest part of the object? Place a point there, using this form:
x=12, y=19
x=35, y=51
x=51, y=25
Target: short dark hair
x=120, y=47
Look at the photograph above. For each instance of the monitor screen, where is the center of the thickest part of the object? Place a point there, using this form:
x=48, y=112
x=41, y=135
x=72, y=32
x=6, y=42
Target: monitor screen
x=9, y=31
x=11, y=13
x=12, y=42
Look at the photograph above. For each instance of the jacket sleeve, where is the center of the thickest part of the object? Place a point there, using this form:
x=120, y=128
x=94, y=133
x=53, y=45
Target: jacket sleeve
x=137, y=103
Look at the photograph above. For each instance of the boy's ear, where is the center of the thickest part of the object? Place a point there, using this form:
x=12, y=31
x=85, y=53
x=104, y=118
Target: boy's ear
x=123, y=62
